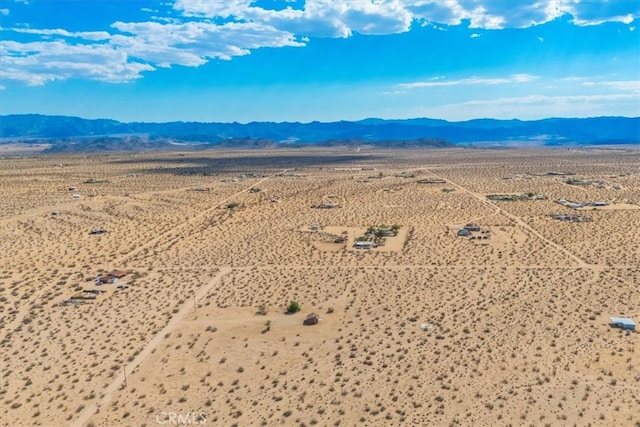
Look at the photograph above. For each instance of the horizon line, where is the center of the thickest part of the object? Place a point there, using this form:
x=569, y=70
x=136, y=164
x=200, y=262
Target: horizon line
x=319, y=121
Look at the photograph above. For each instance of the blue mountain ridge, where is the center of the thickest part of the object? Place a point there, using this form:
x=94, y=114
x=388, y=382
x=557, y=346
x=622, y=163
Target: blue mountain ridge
x=552, y=131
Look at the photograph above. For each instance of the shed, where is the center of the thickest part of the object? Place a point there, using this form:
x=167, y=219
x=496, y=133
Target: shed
x=311, y=319
x=118, y=273
x=463, y=232
x=363, y=244
x=623, y=323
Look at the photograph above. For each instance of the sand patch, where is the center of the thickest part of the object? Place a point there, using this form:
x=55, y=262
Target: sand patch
x=519, y=335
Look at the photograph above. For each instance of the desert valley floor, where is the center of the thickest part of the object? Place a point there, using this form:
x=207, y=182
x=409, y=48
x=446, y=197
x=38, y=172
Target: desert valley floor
x=507, y=326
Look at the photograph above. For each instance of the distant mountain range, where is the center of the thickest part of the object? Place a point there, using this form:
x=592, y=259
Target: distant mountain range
x=77, y=134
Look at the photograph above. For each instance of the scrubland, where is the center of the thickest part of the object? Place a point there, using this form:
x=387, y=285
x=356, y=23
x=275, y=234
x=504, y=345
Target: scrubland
x=429, y=329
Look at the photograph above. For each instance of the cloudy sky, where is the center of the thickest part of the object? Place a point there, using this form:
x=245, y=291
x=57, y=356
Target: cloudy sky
x=296, y=60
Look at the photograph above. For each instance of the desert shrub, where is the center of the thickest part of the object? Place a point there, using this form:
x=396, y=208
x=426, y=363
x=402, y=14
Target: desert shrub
x=294, y=307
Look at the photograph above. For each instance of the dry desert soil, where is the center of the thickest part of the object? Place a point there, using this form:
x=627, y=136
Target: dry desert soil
x=508, y=326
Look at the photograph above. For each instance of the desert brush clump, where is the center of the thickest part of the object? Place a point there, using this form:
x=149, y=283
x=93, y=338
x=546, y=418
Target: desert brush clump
x=293, y=307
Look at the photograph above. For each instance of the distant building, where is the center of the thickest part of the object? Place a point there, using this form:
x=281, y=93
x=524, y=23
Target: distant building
x=327, y=206
x=364, y=244
x=623, y=323
x=572, y=218
x=111, y=277
x=463, y=232
x=119, y=273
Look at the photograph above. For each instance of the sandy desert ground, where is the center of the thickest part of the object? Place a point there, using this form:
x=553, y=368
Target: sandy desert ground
x=510, y=327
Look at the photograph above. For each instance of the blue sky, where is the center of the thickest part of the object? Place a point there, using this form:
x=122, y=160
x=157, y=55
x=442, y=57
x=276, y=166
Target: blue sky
x=284, y=60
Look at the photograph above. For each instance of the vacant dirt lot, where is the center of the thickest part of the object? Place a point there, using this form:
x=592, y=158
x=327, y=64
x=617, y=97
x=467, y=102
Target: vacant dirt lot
x=507, y=326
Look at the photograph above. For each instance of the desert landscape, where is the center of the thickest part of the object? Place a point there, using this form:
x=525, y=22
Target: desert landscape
x=173, y=288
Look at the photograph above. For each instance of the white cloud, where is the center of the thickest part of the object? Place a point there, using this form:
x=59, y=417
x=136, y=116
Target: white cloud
x=87, y=35
x=630, y=86
x=598, y=12
x=192, y=32
x=326, y=18
x=624, y=85
x=447, y=12
x=319, y=18
x=495, y=14
x=139, y=47
x=514, y=78
x=37, y=63
x=193, y=43
x=547, y=99
x=207, y=8
x=533, y=107
x=4, y=12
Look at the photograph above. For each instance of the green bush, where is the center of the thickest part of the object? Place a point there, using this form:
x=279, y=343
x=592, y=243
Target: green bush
x=294, y=307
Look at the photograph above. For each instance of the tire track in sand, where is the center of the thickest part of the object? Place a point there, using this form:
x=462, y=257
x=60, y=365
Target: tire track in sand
x=130, y=368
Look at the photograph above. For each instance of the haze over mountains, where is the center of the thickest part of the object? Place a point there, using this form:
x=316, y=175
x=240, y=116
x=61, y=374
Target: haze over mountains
x=76, y=134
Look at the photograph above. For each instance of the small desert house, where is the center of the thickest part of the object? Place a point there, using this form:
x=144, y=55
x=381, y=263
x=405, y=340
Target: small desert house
x=363, y=244
x=623, y=323
x=111, y=277
x=311, y=319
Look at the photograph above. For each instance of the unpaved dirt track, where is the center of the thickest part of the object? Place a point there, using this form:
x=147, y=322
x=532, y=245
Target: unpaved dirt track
x=130, y=368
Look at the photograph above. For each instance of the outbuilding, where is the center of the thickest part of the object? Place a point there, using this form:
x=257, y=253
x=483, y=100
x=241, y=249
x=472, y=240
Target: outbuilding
x=623, y=323
x=364, y=244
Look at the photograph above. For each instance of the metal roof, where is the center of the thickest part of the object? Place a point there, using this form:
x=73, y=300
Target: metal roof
x=623, y=320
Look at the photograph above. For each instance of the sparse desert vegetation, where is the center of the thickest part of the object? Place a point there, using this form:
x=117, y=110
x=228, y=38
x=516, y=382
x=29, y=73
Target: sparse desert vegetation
x=427, y=329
